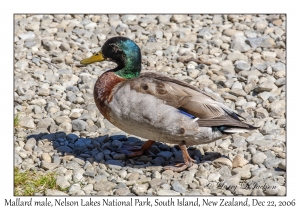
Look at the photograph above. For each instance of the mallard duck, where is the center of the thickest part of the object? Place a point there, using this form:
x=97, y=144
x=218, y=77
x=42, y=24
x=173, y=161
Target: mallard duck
x=156, y=107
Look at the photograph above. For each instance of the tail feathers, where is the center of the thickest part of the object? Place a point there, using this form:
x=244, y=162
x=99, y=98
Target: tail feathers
x=232, y=129
x=238, y=129
x=235, y=130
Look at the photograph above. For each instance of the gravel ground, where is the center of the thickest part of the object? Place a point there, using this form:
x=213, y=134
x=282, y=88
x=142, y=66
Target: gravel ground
x=60, y=129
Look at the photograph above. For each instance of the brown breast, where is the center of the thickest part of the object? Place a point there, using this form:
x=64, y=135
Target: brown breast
x=103, y=91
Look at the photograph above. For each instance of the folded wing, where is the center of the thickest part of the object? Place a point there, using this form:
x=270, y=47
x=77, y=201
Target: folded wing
x=189, y=99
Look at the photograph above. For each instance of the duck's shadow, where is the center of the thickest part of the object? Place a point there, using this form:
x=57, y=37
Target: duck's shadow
x=106, y=149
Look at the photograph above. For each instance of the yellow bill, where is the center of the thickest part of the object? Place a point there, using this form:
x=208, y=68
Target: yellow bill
x=97, y=57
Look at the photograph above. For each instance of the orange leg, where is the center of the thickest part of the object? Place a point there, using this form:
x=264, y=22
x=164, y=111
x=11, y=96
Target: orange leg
x=133, y=151
x=188, y=161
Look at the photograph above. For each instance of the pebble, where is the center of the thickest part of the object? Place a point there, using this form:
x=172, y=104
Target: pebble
x=105, y=186
x=167, y=192
x=239, y=161
x=242, y=66
x=61, y=130
x=222, y=161
x=265, y=86
x=30, y=144
x=55, y=193
x=244, y=172
x=78, y=125
x=178, y=186
x=62, y=182
x=74, y=189
x=273, y=188
x=258, y=158
x=278, y=67
x=239, y=44
x=140, y=189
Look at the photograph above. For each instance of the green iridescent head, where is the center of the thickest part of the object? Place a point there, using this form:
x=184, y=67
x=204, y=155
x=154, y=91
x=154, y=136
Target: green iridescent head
x=124, y=52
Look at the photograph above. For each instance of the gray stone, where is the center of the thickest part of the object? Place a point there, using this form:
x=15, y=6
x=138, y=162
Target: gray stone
x=237, y=92
x=222, y=161
x=188, y=176
x=72, y=137
x=240, y=101
x=152, y=47
x=62, y=182
x=116, y=143
x=64, y=149
x=258, y=172
x=239, y=44
x=67, y=127
x=45, y=123
x=99, y=157
x=27, y=36
x=154, y=183
x=167, y=192
x=48, y=45
x=72, y=165
x=78, y=125
x=244, y=172
x=242, y=66
x=237, y=85
x=46, y=157
x=27, y=122
x=54, y=193
x=263, y=41
x=140, y=189
x=282, y=165
x=30, y=144
x=213, y=177
x=280, y=82
x=133, y=176
x=239, y=161
x=74, y=189
x=80, y=143
x=167, y=174
x=164, y=18
x=229, y=96
x=272, y=162
x=158, y=161
x=239, y=142
x=48, y=166
x=104, y=186
x=62, y=119
x=258, y=158
x=179, y=186
x=268, y=56
x=114, y=163
x=122, y=191
x=261, y=113
x=254, y=42
x=225, y=143
x=278, y=67
x=88, y=189
x=264, y=95
x=277, y=105
x=29, y=44
x=272, y=188
x=249, y=105
x=57, y=60
x=64, y=46
x=119, y=156
x=17, y=159
x=265, y=86
x=165, y=154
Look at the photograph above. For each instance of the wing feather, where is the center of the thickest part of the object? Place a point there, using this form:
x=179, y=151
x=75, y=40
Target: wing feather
x=182, y=95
